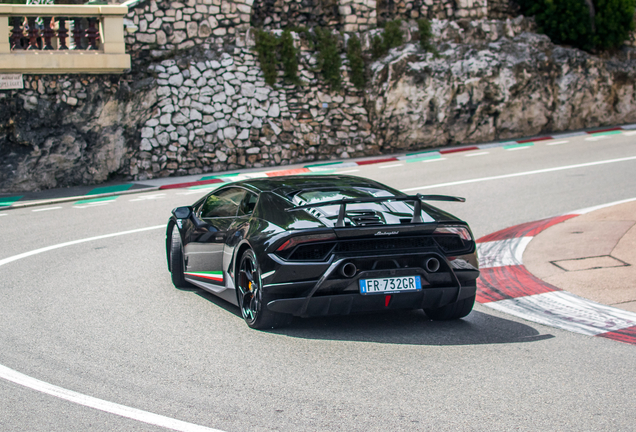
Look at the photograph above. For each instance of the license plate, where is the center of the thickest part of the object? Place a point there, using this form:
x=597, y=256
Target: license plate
x=390, y=285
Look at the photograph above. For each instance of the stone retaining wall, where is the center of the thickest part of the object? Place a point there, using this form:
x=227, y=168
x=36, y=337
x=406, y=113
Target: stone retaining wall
x=219, y=114
x=502, y=9
x=439, y=9
x=166, y=26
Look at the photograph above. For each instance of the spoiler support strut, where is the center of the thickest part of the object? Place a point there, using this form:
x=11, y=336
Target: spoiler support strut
x=417, y=208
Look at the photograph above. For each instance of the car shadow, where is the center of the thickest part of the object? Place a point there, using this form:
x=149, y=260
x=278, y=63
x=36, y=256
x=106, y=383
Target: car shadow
x=409, y=327
x=413, y=327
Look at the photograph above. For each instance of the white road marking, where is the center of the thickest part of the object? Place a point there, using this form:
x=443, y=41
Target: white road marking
x=477, y=154
x=255, y=175
x=518, y=148
x=196, y=191
x=46, y=209
x=74, y=242
x=99, y=404
x=348, y=171
x=3, y=214
x=630, y=133
x=558, y=142
x=521, y=174
x=79, y=398
x=597, y=138
x=391, y=166
x=149, y=197
x=598, y=207
x=433, y=160
x=90, y=205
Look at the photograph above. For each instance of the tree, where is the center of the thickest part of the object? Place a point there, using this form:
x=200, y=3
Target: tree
x=586, y=24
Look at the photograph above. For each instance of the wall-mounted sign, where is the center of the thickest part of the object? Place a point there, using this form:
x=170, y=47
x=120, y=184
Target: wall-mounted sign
x=11, y=81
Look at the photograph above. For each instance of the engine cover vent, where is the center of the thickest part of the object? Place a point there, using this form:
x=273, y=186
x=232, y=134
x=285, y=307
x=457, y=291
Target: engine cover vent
x=365, y=218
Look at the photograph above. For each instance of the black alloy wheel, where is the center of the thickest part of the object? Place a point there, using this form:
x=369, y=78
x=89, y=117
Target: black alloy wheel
x=250, y=296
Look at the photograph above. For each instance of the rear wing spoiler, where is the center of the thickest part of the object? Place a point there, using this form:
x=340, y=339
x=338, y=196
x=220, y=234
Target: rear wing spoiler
x=417, y=208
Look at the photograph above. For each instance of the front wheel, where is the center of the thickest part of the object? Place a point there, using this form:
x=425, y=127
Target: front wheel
x=175, y=257
x=250, y=296
x=452, y=311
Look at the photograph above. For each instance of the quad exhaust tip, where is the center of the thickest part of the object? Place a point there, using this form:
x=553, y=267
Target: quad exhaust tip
x=432, y=265
x=348, y=270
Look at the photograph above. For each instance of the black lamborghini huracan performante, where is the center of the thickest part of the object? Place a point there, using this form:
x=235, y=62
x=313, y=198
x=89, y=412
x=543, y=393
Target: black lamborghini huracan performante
x=323, y=245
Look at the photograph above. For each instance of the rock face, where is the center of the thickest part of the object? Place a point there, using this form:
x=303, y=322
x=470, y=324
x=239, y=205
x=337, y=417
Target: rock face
x=65, y=131
x=494, y=88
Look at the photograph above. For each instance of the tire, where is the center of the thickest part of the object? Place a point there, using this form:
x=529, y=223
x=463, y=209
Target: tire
x=175, y=257
x=251, y=301
x=452, y=311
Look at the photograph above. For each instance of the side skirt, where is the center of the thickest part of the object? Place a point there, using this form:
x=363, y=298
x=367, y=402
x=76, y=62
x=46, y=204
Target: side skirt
x=226, y=293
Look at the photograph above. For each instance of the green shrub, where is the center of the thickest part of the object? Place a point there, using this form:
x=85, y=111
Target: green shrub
x=564, y=21
x=270, y=49
x=377, y=47
x=266, y=47
x=426, y=33
x=614, y=20
x=328, y=57
x=288, y=55
x=356, y=62
x=392, y=37
x=525, y=6
x=568, y=21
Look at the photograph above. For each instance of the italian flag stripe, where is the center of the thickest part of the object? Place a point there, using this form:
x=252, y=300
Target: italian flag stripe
x=215, y=276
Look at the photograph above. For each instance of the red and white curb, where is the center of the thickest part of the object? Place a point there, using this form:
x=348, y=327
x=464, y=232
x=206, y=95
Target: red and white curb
x=507, y=286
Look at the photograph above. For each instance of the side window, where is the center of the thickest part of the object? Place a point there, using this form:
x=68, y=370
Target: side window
x=248, y=204
x=222, y=204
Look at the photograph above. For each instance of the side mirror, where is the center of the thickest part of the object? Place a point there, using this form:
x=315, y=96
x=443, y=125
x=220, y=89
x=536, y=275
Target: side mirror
x=182, y=212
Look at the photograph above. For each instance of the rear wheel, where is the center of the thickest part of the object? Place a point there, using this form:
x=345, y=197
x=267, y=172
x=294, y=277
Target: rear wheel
x=452, y=311
x=175, y=256
x=250, y=296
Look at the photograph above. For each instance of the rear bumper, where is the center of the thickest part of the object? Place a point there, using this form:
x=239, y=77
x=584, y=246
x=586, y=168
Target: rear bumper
x=344, y=304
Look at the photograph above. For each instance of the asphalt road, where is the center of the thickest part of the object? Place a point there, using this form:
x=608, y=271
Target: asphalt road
x=102, y=319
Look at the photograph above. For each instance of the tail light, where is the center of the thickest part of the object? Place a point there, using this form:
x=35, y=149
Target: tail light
x=461, y=231
x=295, y=241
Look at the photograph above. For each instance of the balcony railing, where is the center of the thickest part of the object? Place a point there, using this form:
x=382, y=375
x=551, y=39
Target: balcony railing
x=52, y=39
